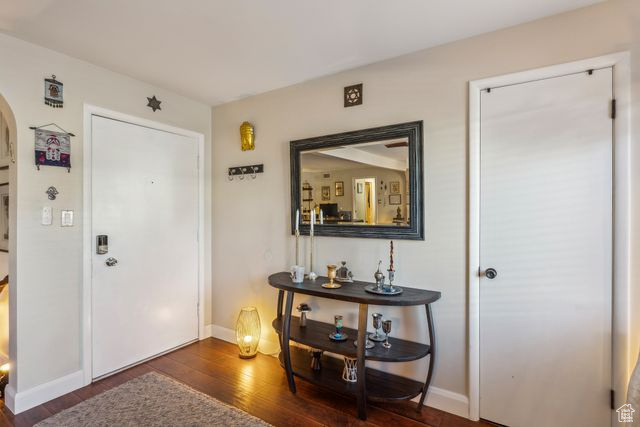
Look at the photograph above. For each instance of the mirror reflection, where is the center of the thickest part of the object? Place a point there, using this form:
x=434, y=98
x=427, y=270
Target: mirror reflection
x=357, y=184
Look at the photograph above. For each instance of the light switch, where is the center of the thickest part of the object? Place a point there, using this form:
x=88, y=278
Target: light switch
x=66, y=218
x=47, y=215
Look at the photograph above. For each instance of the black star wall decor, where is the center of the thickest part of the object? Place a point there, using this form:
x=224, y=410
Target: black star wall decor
x=154, y=103
x=353, y=95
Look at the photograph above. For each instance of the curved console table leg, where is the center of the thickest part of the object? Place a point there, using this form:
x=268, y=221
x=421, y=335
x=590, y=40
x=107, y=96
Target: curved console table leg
x=432, y=355
x=279, y=315
x=280, y=301
x=286, y=334
x=363, y=310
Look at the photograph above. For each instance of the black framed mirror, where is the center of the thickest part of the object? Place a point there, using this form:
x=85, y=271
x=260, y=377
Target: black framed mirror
x=364, y=183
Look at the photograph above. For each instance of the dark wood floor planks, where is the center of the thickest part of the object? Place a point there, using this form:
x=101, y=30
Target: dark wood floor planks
x=257, y=386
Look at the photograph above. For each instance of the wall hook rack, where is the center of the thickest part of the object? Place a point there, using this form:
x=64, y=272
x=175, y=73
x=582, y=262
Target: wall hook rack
x=242, y=171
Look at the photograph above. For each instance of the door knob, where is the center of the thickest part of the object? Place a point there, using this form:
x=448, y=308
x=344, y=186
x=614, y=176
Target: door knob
x=111, y=262
x=491, y=273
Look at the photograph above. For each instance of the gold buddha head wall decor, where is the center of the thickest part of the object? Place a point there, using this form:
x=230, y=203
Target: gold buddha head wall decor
x=247, y=136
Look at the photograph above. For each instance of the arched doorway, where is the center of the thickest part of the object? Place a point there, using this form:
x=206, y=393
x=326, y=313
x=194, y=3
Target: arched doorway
x=8, y=137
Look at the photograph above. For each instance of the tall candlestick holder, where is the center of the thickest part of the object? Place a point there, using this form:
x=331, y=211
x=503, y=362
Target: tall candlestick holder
x=389, y=287
x=297, y=247
x=312, y=275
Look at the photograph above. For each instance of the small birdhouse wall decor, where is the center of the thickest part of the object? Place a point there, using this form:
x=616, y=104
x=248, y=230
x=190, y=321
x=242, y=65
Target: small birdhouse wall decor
x=53, y=92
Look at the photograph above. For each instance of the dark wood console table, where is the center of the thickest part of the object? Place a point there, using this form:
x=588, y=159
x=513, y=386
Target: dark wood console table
x=375, y=385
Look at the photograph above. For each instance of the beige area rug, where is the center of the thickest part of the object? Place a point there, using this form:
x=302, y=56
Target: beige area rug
x=152, y=400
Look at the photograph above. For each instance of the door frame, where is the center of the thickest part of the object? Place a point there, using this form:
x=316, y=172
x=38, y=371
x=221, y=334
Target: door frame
x=88, y=243
x=621, y=356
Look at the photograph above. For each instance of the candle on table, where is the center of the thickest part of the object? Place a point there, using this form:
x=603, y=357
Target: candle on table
x=297, y=219
x=321, y=217
x=313, y=219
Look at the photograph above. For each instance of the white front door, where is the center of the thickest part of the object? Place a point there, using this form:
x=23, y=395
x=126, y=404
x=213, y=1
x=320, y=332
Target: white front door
x=546, y=229
x=145, y=199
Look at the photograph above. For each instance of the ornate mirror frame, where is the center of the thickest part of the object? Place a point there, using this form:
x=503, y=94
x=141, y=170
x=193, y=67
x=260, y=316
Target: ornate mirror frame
x=414, y=134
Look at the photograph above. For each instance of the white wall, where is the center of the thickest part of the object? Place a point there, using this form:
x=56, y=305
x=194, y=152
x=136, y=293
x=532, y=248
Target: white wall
x=47, y=266
x=251, y=218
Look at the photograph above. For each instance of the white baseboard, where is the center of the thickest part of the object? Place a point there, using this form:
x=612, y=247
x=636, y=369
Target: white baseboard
x=447, y=401
x=21, y=401
x=269, y=348
x=207, y=332
x=222, y=333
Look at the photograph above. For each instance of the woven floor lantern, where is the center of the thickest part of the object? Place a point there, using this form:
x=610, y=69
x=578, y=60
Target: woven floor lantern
x=248, y=332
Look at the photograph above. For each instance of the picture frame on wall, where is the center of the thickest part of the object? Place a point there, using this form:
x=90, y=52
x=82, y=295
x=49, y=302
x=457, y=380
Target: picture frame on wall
x=4, y=217
x=395, y=199
x=395, y=187
x=5, y=142
x=326, y=192
x=339, y=188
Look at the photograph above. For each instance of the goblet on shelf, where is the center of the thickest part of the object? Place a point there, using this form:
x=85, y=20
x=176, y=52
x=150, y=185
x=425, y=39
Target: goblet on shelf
x=331, y=274
x=386, y=328
x=377, y=324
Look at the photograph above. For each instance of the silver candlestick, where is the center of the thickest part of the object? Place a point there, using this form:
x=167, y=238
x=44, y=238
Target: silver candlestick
x=312, y=275
x=297, y=247
x=389, y=287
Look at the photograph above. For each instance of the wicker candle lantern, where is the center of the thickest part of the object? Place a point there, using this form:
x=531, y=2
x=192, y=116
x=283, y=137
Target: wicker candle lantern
x=4, y=378
x=248, y=332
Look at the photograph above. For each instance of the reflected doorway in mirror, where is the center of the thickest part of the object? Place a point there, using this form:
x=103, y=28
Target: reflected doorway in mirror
x=326, y=192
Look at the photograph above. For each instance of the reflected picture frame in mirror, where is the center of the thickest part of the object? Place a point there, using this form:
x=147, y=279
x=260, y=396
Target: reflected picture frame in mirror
x=405, y=192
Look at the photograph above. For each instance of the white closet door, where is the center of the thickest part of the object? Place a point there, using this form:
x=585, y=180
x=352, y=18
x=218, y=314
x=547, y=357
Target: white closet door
x=145, y=199
x=546, y=228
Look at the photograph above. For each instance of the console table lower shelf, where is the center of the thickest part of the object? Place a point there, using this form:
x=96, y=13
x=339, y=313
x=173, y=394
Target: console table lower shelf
x=381, y=386
x=371, y=384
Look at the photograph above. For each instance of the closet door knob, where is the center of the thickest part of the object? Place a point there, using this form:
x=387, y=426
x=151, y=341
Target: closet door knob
x=491, y=273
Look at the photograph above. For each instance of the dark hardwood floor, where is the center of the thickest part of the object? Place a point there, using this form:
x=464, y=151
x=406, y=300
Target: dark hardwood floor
x=257, y=386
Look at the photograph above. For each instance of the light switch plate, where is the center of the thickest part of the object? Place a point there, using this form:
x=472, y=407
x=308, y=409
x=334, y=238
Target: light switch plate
x=47, y=215
x=66, y=218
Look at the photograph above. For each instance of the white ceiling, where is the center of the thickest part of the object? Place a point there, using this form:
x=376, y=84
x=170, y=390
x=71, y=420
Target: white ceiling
x=366, y=155
x=220, y=50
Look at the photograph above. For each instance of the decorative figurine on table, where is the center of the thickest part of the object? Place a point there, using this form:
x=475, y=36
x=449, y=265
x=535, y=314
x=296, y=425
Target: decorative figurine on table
x=343, y=274
x=377, y=324
x=316, y=358
x=331, y=274
x=350, y=371
x=303, y=309
x=379, y=278
x=338, y=335
x=398, y=217
x=380, y=288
